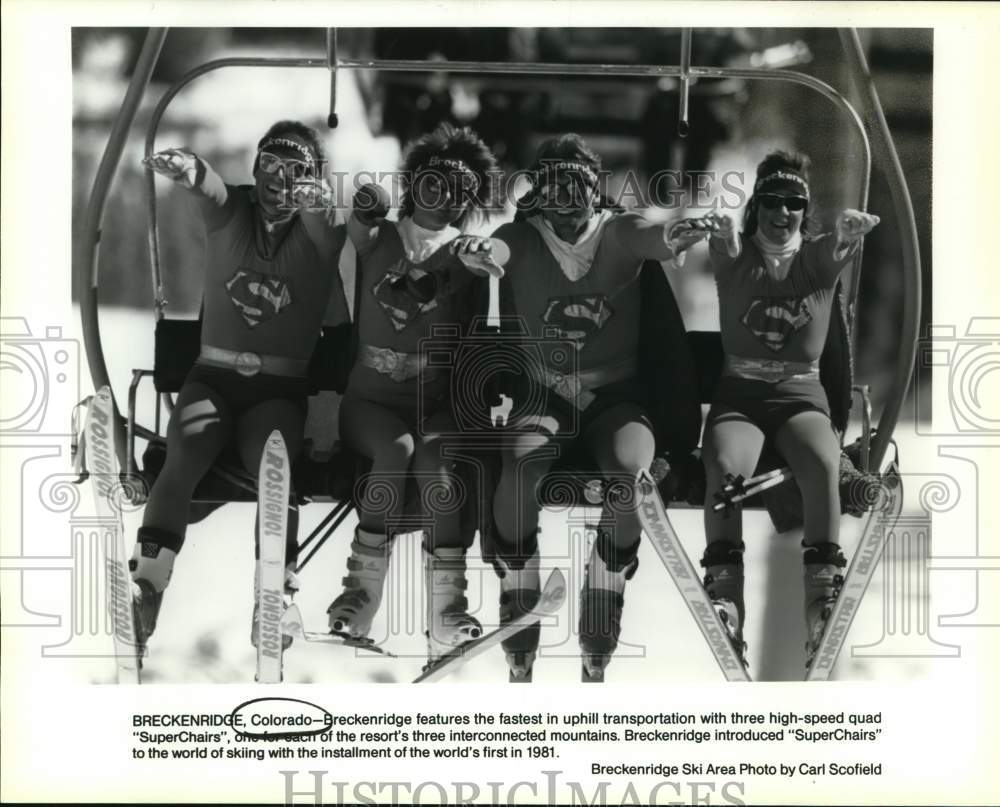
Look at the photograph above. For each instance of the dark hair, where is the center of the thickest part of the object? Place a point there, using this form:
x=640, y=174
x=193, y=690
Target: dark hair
x=450, y=142
x=567, y=147
x=777, y=161
x=297, y=129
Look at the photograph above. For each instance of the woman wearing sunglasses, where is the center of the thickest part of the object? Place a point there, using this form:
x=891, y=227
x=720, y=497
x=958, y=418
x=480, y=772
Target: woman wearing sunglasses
x=269, y=276
x=397, y=408
x=776, y=286
x=572, y=262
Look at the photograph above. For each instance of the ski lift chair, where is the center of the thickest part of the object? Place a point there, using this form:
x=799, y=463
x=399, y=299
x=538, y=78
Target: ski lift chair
x=676, y=440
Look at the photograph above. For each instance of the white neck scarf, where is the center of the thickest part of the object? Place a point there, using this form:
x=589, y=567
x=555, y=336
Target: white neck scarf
x=574, y=259
x=777, y=257
x=419, y=243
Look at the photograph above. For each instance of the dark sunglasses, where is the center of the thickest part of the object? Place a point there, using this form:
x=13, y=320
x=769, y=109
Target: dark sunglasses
x=772, y=201
x=296, y=169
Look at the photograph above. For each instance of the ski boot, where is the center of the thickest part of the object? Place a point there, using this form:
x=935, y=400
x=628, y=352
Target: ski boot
x=520, y=589
x=449, y=623
x=823, y=577
x=352, y=613
x=723, y=564
x=290, y=590
x=151, y=566
x=601, y=601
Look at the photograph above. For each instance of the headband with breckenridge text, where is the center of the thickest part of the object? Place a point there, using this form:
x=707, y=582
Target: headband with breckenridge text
x=784, y=180
x=550, y=171
x=439, y=164
x=291, y=144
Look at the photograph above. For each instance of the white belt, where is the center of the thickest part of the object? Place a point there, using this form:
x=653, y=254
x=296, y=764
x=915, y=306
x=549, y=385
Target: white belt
x=770, y=370
x=576, y=387
x=398, y=366
x=249, y=364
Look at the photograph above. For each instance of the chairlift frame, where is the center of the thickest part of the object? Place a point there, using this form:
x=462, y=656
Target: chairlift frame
x=88, y=271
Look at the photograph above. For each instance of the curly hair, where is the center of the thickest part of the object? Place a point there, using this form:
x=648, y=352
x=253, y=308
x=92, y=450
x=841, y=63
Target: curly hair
x=449, y=142
x=773, y=162
x=569, y=147
x=297, y=129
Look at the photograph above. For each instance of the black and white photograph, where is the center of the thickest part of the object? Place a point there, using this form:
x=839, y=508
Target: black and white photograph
x=401, y=405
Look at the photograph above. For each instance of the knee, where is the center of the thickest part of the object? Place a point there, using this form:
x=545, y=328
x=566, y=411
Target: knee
x=396, y=454
x=719, y=464
x=819, y=465
x=428, y=453
x=816, y=462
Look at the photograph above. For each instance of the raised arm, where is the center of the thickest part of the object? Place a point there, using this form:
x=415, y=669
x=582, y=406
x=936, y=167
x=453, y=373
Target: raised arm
x=193, y=173
x=834, y=251
x=659, y=241
x=370, y=209
x=852, y=226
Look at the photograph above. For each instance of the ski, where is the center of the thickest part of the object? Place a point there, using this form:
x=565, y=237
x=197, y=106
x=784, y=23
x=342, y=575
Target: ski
x=859, y=575
x=552, y=596
x=103, y=468
x=292, y=625
x=656, y=524
x=273, y=487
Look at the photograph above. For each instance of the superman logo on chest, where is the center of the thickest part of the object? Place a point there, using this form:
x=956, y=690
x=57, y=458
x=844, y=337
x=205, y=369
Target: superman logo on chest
x=577, y=317
x=394, y=293
x=775, y=320
x=258, y=297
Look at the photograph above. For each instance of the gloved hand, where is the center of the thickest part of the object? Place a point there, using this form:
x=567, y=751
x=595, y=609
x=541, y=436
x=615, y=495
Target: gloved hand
x=371, y=204
x=853, y=224
x=179, y=165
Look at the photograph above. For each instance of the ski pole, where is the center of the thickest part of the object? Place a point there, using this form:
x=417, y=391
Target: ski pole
x=756, y=485
x=739, y=483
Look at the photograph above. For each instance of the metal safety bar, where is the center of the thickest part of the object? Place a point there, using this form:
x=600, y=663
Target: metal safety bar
x=685, y=88
x=88, y=264
x=909, y=329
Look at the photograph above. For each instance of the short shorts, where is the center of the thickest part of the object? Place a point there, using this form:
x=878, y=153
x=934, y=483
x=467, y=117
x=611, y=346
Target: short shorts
x=768, y=404
x=244, y=392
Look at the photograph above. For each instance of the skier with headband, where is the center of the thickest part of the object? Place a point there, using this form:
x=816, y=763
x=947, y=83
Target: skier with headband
x=270, y=273
x=776, y=287
x=397, y=410
x=572, y=263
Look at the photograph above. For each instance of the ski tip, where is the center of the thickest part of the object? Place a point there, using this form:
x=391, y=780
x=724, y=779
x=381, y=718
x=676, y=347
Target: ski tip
x=554, y=592
x=275, y=439
x=556, y=578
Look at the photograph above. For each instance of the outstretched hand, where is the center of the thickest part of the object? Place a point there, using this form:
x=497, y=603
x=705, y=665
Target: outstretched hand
x=723, y=226
x=179, y=165
x=853, y=224
x=476, y=253
x=685, y=233
x=371, y=205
